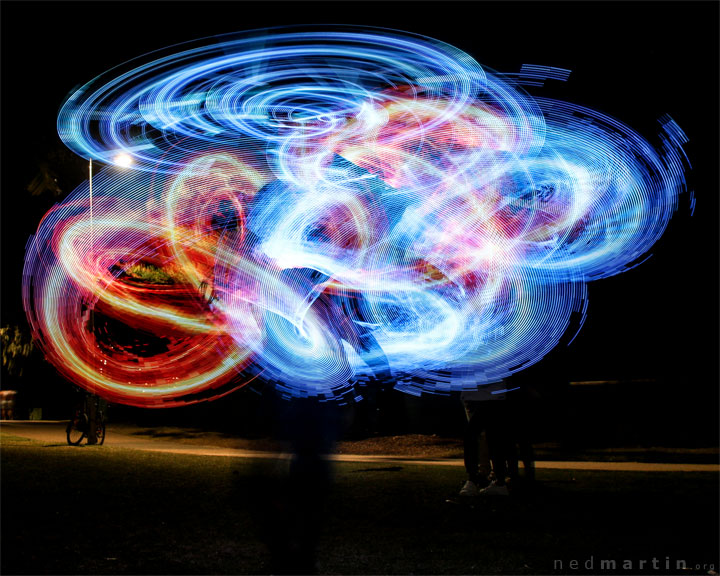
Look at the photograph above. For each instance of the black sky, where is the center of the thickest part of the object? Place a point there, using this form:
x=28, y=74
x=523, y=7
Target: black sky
x=633, y=61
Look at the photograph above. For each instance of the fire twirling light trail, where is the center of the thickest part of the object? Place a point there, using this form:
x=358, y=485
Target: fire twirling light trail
x=314, y=208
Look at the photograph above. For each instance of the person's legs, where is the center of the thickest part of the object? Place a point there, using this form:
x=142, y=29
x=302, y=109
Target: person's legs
x=475, y=453
x=527, y=455
x=471, y=441
x=497, y=439
x=314, y=426
x=524, y=439
x=291, y=498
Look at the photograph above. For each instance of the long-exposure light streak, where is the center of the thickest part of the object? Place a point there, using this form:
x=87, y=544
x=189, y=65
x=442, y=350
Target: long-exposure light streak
x=317, y=207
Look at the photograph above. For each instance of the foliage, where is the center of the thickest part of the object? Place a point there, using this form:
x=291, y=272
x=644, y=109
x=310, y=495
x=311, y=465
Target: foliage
x=58, y=171
x=144, y=272
x=16, y=347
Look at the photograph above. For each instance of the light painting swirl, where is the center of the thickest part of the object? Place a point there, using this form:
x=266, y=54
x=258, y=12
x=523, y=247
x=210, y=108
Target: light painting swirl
x=321, y=207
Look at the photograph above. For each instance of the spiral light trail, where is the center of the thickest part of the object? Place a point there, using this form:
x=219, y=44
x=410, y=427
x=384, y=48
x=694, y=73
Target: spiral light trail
x=313, y=208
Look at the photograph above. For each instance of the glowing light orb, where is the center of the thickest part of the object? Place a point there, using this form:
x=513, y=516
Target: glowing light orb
x=123, y=160
x=314, y=208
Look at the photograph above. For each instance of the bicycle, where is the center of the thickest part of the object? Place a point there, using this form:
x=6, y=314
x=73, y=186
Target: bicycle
x=79, y=425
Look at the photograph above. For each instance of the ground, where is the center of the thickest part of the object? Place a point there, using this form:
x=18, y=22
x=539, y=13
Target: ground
x=111, y=510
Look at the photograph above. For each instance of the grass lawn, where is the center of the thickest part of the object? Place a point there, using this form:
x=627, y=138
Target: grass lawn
x=107, y=510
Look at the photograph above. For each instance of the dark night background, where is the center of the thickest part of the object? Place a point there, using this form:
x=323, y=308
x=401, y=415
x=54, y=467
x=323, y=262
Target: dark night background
x=633, y=61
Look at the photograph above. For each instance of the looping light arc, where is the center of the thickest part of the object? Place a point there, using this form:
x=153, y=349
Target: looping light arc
x=319, y=207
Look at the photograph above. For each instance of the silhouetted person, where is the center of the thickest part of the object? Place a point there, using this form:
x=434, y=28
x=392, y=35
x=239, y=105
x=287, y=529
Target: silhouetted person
x=522, y=402
x=486, y=410
x=310, y=426
x=297, y=492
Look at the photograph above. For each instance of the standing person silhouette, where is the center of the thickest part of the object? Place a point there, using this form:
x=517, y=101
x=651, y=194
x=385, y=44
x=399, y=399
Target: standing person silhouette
x=486, y=410
x=311, y=426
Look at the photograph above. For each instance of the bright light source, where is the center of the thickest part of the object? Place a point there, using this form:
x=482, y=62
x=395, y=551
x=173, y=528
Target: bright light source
x=123, y=160
x=371, y=116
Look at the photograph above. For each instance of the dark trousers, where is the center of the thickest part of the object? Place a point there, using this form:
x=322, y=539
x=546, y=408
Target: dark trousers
x=493, y=418
x=288, y=498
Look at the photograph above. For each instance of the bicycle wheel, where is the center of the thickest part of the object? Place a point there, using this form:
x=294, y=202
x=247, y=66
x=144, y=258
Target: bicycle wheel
x=76, y=428
x=100, y=433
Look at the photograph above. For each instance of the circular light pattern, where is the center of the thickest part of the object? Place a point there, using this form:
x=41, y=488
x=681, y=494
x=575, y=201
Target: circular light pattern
x=319, y=207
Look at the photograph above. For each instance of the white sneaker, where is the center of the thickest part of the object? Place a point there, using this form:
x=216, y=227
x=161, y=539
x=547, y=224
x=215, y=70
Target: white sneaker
x=494, y=490
x=470, y=489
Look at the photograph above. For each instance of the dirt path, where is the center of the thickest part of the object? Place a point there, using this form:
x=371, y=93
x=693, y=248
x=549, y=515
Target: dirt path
x=212, y=444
